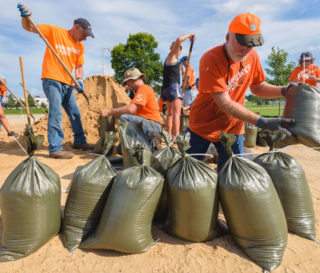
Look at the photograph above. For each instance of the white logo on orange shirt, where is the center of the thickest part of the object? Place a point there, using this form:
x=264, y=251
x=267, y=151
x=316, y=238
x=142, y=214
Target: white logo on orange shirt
x=305, y=74
x=139, y=97
x=65, y=50
x=234, y=82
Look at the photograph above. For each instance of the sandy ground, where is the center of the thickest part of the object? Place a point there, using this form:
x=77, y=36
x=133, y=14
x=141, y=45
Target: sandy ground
x=169, y=254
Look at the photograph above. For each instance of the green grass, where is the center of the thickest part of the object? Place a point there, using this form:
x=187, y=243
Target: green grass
x=21, y=111
x=265, y=110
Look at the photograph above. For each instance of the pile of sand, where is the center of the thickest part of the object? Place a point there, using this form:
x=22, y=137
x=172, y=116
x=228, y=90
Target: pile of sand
x=103, y=93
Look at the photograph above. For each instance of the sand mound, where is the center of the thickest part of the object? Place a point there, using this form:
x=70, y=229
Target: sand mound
x=103, y=92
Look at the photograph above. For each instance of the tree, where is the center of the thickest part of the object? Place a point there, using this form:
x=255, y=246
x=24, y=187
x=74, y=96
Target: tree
x=279, y=69
x=31, y=102
x=11, y=101
x=139, y=52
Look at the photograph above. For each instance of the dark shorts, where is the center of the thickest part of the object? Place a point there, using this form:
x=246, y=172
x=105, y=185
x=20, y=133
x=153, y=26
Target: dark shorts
x=171, y=93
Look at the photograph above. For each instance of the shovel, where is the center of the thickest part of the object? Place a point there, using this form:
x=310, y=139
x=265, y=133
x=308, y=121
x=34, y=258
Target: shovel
x=58, y=58
x=185, y=74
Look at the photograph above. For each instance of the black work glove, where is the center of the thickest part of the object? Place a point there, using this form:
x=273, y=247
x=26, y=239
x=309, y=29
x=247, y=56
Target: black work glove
x=274, y=124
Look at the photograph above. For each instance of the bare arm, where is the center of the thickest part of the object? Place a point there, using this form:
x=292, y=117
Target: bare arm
x=78, y=72
x=172, y=57
x=266, y=90
x=234, y=109
x=130, y=108
x=27, y=25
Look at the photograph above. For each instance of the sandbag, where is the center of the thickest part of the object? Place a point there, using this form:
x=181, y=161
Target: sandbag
x=303, y=105
x=250, y=138
x=292, y=186
x=192, y=198
x=90, y=186
x=253, y=211
x=106, y=125
x=30, y=205
x=132, y=135
x=126, y=220
x=161, y=161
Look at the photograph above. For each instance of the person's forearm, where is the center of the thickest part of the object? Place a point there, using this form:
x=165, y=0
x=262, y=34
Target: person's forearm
x=26, y=24
x=127, y=109
x=78, y=72
x=234, y=109
x=266, y=90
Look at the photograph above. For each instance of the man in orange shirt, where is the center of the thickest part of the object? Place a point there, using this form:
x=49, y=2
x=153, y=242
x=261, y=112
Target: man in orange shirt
x=3, y=99
x=306, y=72
x=190, y=91
x=143, y=108
x=56, y=83
x=225, y=73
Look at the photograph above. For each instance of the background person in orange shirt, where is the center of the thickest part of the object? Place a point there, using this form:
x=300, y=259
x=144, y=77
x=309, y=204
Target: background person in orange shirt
x=57, y=84
x=306, y=72
x=190, y=91
x=226, y=72
x=143, y=108
x=171, y=89
x=3, y=99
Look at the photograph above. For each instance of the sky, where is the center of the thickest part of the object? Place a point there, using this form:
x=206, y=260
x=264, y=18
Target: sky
x=291, y=25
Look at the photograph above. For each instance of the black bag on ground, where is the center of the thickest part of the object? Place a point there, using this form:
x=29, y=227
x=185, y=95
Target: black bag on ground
x=30, y=205
x=192, y=198
x=252, y=209
x=106, y=125
x=126, y=220
x=303, y=105
x=250, y=138
x=90, y=186
x=132, y=135
x=161, y=161
x=292, y=186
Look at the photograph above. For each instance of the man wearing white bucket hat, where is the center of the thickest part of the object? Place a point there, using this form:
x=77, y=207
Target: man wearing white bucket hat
x=143, y=108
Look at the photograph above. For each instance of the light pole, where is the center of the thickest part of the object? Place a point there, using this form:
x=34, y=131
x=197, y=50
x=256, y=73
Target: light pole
x=103, y=58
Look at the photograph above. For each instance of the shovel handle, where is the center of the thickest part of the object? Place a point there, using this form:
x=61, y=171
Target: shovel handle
x=57, y=56
x=25, y=91
x=185, y=74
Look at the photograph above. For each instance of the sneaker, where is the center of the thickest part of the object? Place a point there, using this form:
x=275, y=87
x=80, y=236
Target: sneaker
x=13, y=134
x=61, y=154
x=82, y=146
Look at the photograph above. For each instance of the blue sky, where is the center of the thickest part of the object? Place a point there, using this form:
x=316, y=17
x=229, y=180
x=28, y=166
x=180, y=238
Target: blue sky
x=291, y=25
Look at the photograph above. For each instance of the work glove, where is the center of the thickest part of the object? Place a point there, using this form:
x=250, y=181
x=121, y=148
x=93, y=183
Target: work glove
x=183, y=59
x=24, y=10
x=274, y=124
x=4, y=100
x=80, y=82
x=285, y=89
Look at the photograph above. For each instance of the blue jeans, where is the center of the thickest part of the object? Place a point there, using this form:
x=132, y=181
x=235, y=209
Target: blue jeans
x=200, y=145
x=150, y=128
x=60, y=94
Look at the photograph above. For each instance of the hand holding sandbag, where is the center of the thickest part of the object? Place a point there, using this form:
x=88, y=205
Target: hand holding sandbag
x=274, y=124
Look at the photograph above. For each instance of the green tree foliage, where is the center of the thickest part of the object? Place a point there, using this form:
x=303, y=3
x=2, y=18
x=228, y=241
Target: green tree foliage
x=139, y=52
x=279, y=70
x=31, y=102
x=11, y=102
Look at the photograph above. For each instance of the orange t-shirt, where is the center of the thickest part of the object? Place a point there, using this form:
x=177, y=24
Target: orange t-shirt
x=206, y=118
x=161, y=103
x=299, y=74
x=191, y=75
x=2, y=89
x=147, y=100
x=69, y=50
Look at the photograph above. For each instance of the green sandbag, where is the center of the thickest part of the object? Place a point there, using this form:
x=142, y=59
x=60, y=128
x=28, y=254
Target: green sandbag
x=260, y=140
x=132, y=135
x=303, y=105
x=106, y=125
x=184, y=123
x=253, y=211
x=192, y=198
x=250, y=138
x=126, y=220
x=161, y=161
x=90, y=186
x=292, y=186
x=30, y=206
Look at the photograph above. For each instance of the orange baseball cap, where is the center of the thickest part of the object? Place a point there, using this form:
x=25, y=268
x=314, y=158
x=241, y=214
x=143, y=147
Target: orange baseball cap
x=246, y=26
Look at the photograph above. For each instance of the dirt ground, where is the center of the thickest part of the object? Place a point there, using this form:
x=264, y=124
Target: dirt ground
x=169, y=254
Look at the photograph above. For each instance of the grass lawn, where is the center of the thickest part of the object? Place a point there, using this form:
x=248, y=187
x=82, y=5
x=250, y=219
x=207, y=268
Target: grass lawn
x=266, y=110
x=22, y=111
